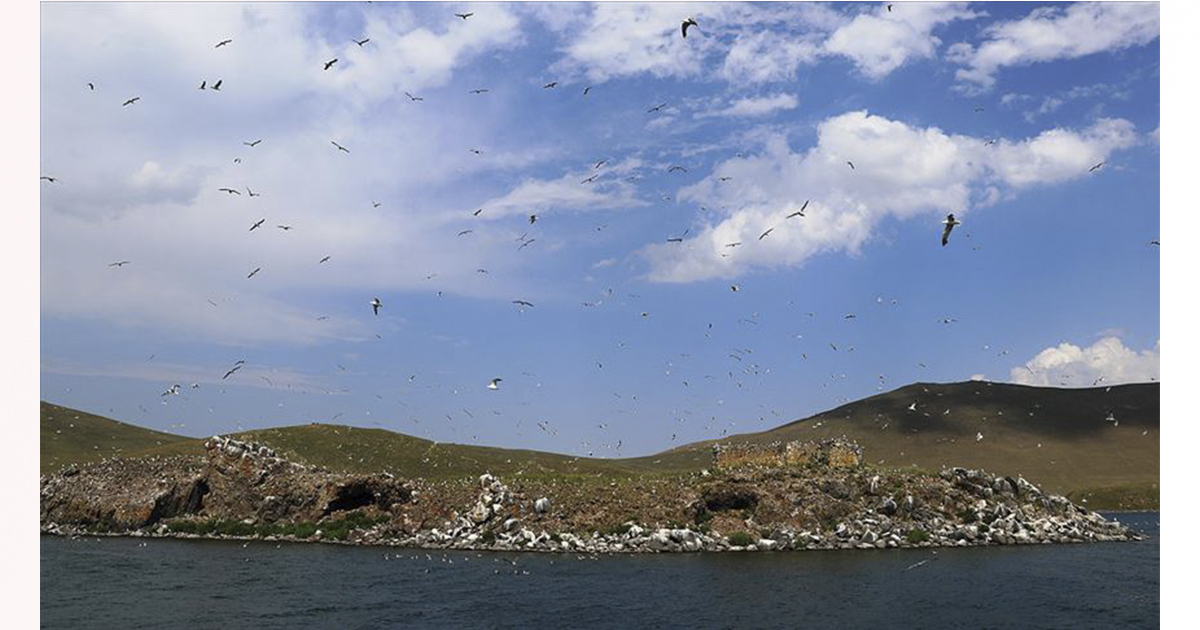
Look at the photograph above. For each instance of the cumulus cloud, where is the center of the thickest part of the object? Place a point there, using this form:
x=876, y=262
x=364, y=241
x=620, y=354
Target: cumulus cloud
x=569, y=192
x=1106, y=362
x=881, y=41
x=766, y=56
x=752, y=106
x=900, y=171
x=1050, y=33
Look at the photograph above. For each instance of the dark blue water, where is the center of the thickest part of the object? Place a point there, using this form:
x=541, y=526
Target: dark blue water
x=118, y=583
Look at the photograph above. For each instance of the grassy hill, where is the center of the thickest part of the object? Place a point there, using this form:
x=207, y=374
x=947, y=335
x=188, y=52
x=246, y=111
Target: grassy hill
x=1081, y=454
x=69, y=436
x=1058, y=438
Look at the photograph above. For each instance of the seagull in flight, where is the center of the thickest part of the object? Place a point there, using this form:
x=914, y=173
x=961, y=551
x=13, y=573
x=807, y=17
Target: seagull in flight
x=533, y=219
x=550, y=84
x=49, y=179
x=465, y=232
x=119, y=263
x=764, y=234
x=362, y=42
x=586, y=90
x=340, y=147
x=950, y=222
x=131, y=101
x=463, y=15
x=480, y=91
x=523, y=303
x=1096, y=167
x=495, y=383
x=91, y=86
x=375, y=304
x=912, y=407
x=329, y=64
x=256, y=270
x=414, y=98
x=798, y=213
x=655, y=108
x=325, y=259
x=252, y=193
x=253, y=144
x=284, y=227
x=203, y=85
x=217, y=86
x=590, y=179
x=851, y=164
x=237, y=366
x=232, y=191
x=257, y=224
x=676, y=168
x=686, y=23
x=172, y=391
x=223, y=42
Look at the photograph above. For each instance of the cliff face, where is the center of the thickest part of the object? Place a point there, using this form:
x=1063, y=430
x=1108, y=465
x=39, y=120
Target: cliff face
x=236, y=480
x=779, y=496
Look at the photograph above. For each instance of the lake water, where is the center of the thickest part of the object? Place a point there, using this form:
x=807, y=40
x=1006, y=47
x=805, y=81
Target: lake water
x=119, y=583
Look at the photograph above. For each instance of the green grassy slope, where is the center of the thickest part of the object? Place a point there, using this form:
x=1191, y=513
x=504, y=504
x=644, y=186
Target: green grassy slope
x=74, y=437
x=1081, y=453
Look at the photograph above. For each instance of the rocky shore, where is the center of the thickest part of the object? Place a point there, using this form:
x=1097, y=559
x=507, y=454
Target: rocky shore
x=813, y=496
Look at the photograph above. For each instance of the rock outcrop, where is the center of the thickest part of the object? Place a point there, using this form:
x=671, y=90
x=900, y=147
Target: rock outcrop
x=818, y=496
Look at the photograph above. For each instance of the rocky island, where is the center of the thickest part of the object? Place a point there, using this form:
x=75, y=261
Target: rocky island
x=754, y=497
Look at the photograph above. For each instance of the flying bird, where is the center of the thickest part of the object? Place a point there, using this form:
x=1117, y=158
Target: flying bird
x=325, y=259
x=223, y=42
x=232, y=191
x=851, y=164
x=590, y=179
x=480, y=91
x=676, y=168
x=465, y=232
x=329, y=64
x=203, y=85
x=414, y=98
x=119, y=263
x=476, y=213
x=284, y=227
x=172, y=391
x=256, y=270
x=586, y=90
x=550, y=84
x=217, y=85
x=950, y=222
x=533, y=219
x=131, y=101
x=798, y=213
x=1096, y=167
x=360, y=43
x=256, y=224
x=49, y=179
x=252, y=193
x=463, y=15
x=523, y=303
x=655, y=108
x=686, y=23
x=764, y=234
x=375, y=304
x=91, y=86
x=1155, y=242
x=253, y=144
x=495, y=383
x=340, y=147
x=236, y=367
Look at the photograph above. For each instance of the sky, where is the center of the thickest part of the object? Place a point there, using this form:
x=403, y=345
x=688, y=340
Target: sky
x=882, y=122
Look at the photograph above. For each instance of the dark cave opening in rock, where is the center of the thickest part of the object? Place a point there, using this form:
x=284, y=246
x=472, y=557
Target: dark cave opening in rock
x=351, y=497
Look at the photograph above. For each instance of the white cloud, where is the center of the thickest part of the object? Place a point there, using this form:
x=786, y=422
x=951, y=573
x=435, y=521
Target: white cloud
x=881, y=41
x=751, y=106
x=1050, y=33
x=1106, y=362
x=767, y=56
x=569, y=193
x=899, y=171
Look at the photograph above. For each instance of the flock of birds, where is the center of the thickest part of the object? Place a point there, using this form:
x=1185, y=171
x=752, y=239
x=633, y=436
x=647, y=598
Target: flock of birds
x=376, y=304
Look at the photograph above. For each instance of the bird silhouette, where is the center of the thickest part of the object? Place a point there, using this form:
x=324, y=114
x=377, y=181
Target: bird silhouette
x=329, y=64
x=257, y=224
x=950, y=222
x=375, y=304
x=686, y=23
x=252, y=273
x=131, y=101
x=340, y=147
x=360, y=43
x=253, y=144
x=463, y=15
x=223, y=42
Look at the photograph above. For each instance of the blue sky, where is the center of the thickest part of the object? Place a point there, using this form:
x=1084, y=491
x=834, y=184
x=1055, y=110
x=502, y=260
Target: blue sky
x=1049, y=280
